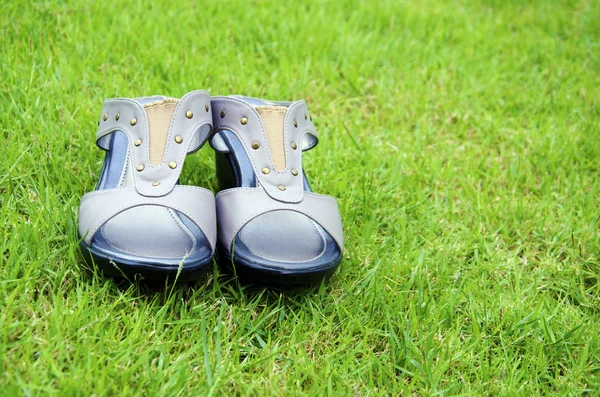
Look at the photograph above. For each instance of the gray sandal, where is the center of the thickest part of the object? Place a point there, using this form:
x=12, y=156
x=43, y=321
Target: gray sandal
x=272, y=227
x=140, y=220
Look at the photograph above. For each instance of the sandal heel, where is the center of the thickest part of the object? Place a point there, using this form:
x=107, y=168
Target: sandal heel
x=224, y=170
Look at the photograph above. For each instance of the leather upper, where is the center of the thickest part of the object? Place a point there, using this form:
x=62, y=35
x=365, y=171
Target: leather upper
x=194, y=133
x=297, y=127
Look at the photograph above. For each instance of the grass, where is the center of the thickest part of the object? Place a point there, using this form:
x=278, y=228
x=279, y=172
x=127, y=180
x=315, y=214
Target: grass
x=461, y=138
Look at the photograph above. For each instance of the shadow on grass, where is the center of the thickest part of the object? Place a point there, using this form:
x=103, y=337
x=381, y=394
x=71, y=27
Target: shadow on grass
x=221, y=281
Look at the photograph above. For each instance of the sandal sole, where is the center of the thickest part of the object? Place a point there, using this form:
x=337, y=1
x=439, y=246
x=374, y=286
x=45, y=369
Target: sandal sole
x=149, y=272
x=257, y=274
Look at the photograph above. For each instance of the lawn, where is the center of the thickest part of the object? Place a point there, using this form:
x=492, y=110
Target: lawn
x=461, y=138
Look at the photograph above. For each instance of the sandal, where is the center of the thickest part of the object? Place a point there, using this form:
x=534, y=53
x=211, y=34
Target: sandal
x=139, y=220
x=271, y=227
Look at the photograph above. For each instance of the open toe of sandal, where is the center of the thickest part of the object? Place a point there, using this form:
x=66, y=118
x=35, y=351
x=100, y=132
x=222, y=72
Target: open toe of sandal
x=139, y=220
x=271, y=227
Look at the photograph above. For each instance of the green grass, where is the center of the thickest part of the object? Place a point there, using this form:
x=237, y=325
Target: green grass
x=461, y=138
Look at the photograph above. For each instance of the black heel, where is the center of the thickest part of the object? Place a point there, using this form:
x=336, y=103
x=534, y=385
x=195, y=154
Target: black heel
x=225, y=173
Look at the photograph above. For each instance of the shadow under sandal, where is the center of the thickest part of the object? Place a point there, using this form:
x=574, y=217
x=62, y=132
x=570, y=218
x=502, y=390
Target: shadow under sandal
x=140, y=221
x=272, y=228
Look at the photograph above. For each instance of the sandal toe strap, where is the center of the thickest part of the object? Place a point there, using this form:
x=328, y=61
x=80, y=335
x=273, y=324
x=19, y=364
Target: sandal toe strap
x=236, y=207
x=100, y=206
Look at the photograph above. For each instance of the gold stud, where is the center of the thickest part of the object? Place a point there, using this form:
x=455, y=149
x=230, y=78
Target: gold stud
x=294, y=172
x=266, y=170
x=206, y=107
x=178, y=139
x=255, y=145
x=189, y=114
x=222, y=113
x=172, y=165
x=155, y=183
x=117, y=117
x=138, y=142
x=105, y=117
x=281, y=187
x=294, y=146
x=295, y=124
x=140, y=167
x=133, y=121
x=244, y=121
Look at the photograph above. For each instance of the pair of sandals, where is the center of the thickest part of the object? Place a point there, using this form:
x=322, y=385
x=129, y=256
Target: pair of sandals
x=271, y=227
